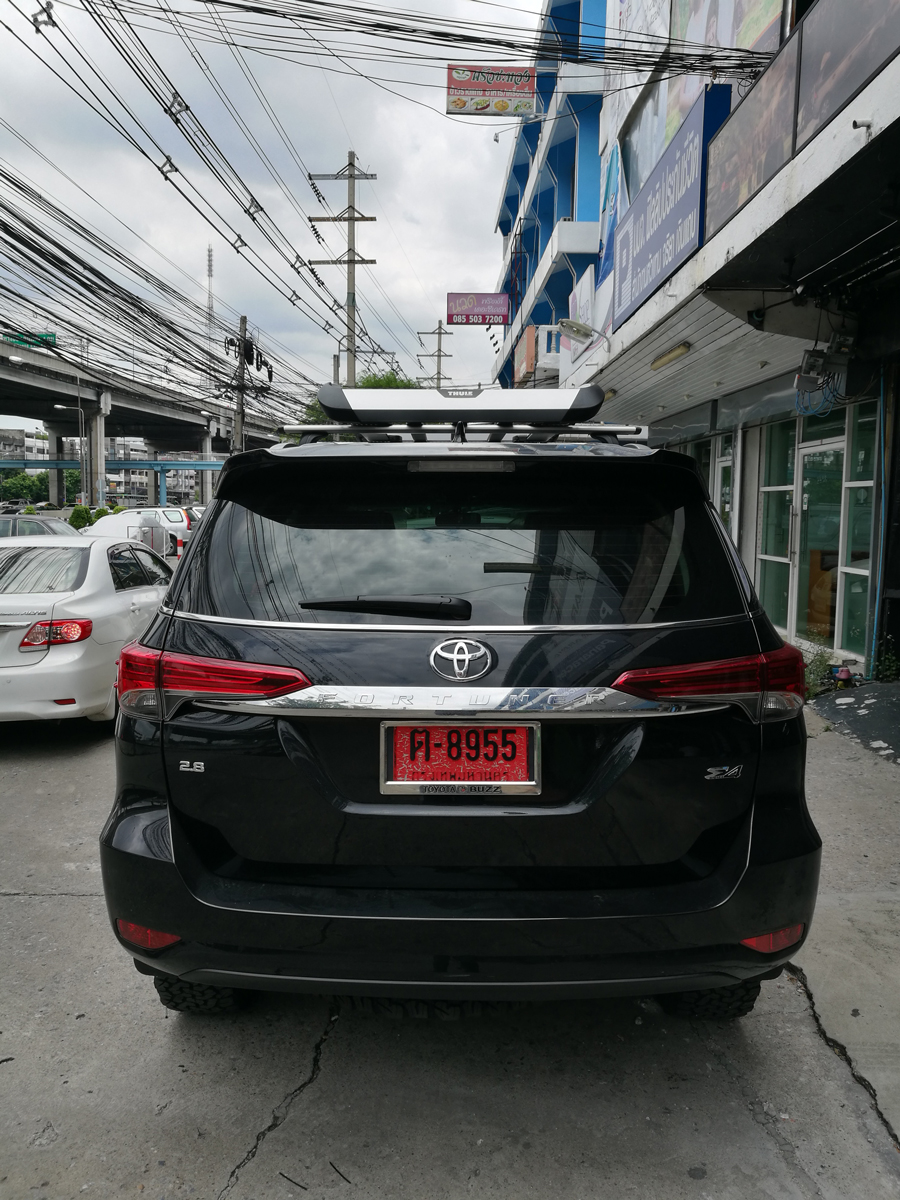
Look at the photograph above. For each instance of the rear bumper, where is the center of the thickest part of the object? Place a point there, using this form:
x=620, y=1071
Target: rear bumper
x=642, y=949
x=84, y=672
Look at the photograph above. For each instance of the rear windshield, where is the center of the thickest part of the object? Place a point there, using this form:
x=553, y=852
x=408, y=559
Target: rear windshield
x=26, y=569
x=549, y=543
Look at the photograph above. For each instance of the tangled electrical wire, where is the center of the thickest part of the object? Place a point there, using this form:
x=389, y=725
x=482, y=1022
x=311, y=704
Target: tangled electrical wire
x=571, y=41
x=159, y=341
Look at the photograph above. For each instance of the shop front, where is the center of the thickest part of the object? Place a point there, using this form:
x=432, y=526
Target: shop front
x=797, y=495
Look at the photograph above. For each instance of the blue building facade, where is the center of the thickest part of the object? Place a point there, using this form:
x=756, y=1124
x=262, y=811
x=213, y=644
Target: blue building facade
x=549, y=212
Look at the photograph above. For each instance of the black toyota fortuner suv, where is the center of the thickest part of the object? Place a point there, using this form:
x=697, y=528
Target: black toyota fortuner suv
x=482, y=712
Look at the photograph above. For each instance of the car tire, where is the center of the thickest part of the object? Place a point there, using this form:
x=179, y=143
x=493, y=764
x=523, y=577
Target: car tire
x=713, y=1004
x=173, y=546
x=183, y=996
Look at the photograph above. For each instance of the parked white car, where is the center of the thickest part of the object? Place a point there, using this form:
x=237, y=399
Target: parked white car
x=67, y=607
x=136, y=524
x=176, y=522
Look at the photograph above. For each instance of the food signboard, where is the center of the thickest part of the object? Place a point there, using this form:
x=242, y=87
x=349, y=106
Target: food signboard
x=477, y=308
x=476, y=91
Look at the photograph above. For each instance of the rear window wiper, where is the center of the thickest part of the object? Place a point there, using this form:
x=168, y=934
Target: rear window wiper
x=440, y=607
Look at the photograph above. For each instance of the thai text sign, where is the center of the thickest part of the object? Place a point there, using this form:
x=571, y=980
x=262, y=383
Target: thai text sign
x=477, y=308
x=664, y=225
x=490, y=91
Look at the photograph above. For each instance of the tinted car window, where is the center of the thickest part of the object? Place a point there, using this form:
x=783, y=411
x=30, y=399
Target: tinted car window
x=27, y=569
x=56, y=525
x=29, y=528
x=6, y=527
x=549, y=543
x=157, y=571
x=126, y=570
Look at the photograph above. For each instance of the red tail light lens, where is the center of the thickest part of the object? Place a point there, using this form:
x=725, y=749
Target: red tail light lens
x=141, y=935
x=136, y=682
x=146, y=675
x=56, y=633
x=785, y=682
x=221, y=676
x=771, y=943
x=729, y=676
x=776, y=678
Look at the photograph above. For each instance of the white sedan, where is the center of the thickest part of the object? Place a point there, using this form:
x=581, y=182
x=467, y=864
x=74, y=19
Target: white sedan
x=67, y=607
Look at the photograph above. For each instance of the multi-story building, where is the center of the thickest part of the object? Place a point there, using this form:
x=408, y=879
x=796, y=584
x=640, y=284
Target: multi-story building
x=743, y=287
x=24, y=443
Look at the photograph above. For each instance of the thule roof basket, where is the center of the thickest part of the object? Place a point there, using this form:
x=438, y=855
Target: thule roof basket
x=460, y=413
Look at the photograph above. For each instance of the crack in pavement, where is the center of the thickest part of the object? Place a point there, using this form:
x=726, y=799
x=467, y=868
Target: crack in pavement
x=759, y=1113
x=281, y=1111
x=841, y=1051
x=42, y=895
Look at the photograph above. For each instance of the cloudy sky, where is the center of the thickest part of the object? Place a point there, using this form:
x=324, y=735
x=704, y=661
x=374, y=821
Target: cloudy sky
x=435, y=198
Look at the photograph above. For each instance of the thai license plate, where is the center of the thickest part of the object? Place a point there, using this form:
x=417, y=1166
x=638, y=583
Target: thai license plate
x=460, y=760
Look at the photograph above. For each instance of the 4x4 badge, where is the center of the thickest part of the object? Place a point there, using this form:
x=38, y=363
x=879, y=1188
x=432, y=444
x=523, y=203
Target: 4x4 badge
x=723, y=772
x=460, y=658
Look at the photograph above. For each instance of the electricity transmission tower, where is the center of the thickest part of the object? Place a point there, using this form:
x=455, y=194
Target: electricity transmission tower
x=350, y=259
x=440, y=354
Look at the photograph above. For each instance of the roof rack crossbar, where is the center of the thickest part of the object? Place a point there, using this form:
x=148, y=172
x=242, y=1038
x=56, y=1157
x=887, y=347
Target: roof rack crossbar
x=594, y=429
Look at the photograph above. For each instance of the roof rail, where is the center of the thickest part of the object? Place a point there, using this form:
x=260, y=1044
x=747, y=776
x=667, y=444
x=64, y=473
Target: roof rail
x=461, y=431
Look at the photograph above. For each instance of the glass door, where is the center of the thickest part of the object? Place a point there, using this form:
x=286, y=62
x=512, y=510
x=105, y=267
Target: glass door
x=820, y=489
x=776, y=522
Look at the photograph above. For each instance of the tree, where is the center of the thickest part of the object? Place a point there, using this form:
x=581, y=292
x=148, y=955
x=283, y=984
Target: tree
x=386, y=379
x=19, y=485
x=81, y=516
x=73, y=483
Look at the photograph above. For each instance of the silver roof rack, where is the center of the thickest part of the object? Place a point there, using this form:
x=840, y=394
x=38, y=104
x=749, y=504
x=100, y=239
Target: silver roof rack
x=459, y=414
x=463, y=431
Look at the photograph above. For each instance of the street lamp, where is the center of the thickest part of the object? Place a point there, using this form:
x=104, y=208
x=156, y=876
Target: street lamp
x=580, y=331
x=72, y=408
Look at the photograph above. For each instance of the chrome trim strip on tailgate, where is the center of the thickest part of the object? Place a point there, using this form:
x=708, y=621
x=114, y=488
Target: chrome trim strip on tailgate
x=456, y=628
x=559, y=702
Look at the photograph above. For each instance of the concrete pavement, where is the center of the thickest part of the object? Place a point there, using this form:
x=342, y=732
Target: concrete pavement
x=104, y=1094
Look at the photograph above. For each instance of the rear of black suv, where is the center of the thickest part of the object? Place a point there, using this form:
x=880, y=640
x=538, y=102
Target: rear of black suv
x=461, y=722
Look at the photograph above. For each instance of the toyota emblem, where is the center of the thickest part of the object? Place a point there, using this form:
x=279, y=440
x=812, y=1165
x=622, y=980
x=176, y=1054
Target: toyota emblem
x=459, y=658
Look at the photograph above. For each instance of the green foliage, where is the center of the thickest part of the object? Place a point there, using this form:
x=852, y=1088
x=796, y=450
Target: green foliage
x=119, y=508
x=887, y=668
x=73, y=484
x=101, y=512
x=81, y=517
x=818, y=667
x=28, y=510
x=386, y=379
x=17, y=484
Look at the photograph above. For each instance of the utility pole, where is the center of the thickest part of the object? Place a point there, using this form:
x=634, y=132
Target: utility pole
x=440, y=354
x=210, y=314
x=350, y=259
x=237, y=441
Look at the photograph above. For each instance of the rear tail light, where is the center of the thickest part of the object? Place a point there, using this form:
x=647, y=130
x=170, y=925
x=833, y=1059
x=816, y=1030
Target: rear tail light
x=56, y=633
x=137, y=679
x=771, y=943
x=770, y=685
x=146, y=676
x=141, y=935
